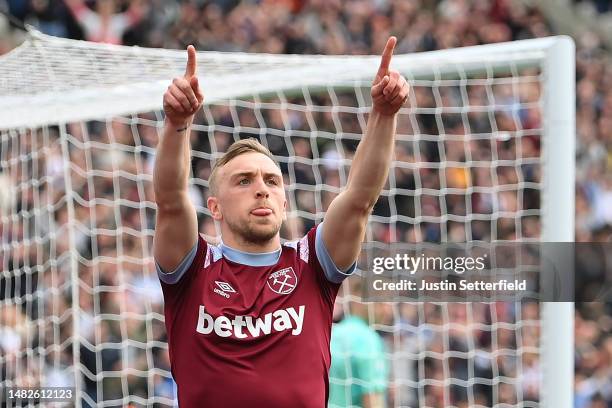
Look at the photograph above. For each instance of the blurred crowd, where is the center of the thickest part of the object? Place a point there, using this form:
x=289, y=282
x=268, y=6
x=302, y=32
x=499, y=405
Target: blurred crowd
x=120, y=323
x=602, y=6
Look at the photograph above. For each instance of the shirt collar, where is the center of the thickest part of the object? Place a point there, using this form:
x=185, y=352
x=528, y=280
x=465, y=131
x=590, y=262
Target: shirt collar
x=250, y=258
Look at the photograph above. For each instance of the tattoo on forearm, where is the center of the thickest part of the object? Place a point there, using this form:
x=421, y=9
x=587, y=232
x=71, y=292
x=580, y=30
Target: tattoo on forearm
x=182, y=129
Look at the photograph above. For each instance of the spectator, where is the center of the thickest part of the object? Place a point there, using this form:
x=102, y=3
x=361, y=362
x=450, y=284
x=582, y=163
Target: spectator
x=105, y=24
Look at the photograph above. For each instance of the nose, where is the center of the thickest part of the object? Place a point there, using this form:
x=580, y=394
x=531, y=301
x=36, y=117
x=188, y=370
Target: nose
x=262, y=194
x=261, y=189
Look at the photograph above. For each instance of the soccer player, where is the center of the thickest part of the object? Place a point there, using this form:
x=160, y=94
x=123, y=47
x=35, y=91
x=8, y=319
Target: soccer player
x=249, y=320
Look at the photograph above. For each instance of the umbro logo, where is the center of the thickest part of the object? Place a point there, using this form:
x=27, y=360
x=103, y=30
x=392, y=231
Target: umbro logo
x=224, y=286
x=224, y=289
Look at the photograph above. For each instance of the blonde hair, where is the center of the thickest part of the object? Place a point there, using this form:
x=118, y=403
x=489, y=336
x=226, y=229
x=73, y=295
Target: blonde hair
x=238, y=148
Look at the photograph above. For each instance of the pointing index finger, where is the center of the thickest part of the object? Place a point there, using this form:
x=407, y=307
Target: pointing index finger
x=192, y=65
x=385, y=61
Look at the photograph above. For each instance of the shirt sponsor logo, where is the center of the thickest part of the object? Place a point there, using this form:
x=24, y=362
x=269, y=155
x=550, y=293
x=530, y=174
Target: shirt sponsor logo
x=282, y=282
x=223, y=289
x=243, y=327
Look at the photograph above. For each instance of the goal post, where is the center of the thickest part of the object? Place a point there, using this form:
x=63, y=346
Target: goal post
x=485, y=152
x=558, y=220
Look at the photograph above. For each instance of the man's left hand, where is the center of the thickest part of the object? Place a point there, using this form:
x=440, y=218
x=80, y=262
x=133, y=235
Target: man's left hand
x=389, y=89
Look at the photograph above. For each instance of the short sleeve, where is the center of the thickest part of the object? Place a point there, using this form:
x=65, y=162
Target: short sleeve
x=172, y=277
x=332, y=273
x=188, y=265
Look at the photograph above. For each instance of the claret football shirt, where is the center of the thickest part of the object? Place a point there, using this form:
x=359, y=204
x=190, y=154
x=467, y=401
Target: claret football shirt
x=252, y=330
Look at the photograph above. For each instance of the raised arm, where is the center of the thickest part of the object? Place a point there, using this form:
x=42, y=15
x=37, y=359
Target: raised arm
x=78, y=9
x=347, y=216
x=135, y=12
x=176, y=227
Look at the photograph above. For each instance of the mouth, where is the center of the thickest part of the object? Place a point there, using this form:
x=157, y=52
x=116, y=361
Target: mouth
x=261, y=211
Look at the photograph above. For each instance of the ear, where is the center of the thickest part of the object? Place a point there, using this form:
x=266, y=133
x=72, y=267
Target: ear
x=285, y=210
x=215, y=208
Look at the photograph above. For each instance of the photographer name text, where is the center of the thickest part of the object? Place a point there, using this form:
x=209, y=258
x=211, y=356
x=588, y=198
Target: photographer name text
x=446, y=285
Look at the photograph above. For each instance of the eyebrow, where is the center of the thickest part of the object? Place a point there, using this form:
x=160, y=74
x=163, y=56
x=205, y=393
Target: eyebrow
x=250, y=174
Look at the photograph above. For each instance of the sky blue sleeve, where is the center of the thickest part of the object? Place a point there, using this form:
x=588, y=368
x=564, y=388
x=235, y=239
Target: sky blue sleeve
x=332, y=272
x=174, y=276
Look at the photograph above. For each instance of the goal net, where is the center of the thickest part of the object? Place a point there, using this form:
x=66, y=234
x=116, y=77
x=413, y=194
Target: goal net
x=484, y=152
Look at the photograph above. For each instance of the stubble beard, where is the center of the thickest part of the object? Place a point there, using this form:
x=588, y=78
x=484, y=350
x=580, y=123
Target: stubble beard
x=253, y=234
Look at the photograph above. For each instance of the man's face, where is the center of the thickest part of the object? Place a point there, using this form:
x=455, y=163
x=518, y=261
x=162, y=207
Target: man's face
x=250, y=198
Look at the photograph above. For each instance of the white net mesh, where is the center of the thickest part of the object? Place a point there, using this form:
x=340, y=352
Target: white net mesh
x=79, y=300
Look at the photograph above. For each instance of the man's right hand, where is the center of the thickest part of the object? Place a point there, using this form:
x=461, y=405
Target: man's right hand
x=183, y=97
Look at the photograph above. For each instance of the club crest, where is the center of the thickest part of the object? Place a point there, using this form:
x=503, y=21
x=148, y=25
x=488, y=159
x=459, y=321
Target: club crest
x=282, y=282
